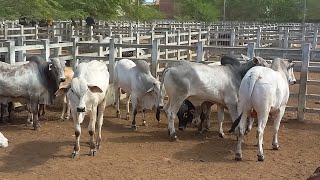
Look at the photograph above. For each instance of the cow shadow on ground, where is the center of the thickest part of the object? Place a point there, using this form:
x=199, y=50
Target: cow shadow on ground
x=30, y=154
x=211, y=150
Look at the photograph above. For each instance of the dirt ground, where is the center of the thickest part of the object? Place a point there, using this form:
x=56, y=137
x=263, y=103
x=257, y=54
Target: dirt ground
x=148, y=153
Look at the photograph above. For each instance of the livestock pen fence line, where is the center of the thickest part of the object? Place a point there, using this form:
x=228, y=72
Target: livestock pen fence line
x=234, y=34
x=164, y=47
x=304, y=54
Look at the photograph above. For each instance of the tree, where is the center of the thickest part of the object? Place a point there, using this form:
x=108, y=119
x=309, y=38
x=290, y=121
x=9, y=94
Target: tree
x=199, y=10
x=66, y=9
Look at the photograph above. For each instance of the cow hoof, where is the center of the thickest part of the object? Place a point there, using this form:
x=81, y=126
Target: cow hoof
x=127, y=117
x=275, y=147
x=221, y=135
x=75, y=155
x=93, y=152
x=134, y=128
x=144, y=124
x=260, y=157
x=247, y=131
x=181, y=128
x=238, y=157
x=174, y=137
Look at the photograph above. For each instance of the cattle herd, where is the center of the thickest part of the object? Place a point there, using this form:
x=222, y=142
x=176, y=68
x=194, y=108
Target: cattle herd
x=251, y=90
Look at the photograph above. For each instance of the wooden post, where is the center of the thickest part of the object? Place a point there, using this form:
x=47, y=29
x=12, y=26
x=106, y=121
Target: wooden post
x=232, y=37
x=10, y=57
x=315, y=39
x=36, y=32
x=189, y=44
x=21, y=30
x=75, y=51
x=280, y=35
x=303, y=81
x=45, y=52
x=258, y=44
x=20, y=42
x=90, y=33
x=200, y=54
x=119, y=48
x=286, y=39
x=110, y=31
x=178, y=43
x=137, y=54
x=72, y=32
x=100, y=48
x=57, y=51
x=303, y=35
x=155, y=58
x=53, y=32
x=250, y=50
x=208, y=39
x=6, y=31
x=111, y=59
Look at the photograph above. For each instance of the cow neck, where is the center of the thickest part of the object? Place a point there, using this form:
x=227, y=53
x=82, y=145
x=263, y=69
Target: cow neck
x=244, y=68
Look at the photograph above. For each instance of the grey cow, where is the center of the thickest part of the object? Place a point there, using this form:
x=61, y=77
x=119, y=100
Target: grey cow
x=31, y=81
x=199, y=82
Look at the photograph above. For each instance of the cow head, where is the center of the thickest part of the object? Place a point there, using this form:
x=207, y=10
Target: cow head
x=56, y=67
x=186, y=114
x=3, y=141
x=77, y=92
x=157, y=94
x=291, y=77
x=287, y=69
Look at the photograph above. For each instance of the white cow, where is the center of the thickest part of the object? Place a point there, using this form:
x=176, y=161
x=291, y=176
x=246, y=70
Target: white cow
x=3, y=141
x=265, y=91
x=136, y=80
x=87, y=95
x=199, y=83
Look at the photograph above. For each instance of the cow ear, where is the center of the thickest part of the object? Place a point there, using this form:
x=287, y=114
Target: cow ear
x=62, y=90
x=94, y=89
x=50, y=66
x=245, y=58
x=151, y=89
x=194, y=113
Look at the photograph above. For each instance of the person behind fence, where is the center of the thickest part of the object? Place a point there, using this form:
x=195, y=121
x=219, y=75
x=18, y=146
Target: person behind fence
x=90, y=21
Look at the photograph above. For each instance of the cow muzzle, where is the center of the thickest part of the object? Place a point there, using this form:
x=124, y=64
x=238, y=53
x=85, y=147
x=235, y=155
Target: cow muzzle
x=81, y=109
x=62, y=79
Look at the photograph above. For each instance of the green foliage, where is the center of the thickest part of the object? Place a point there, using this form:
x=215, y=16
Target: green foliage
x=199, y=10
x=66, y=9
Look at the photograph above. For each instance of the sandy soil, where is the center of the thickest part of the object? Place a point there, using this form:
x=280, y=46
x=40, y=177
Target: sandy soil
x=148, y=153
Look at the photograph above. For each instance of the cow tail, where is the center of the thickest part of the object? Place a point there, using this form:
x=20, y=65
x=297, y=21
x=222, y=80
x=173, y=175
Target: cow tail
x=159, y=95
x=253, y=79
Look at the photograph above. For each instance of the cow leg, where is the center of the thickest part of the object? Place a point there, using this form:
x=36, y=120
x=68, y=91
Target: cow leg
x=276, y=124
x=2, y=112
x=144, y=122
x=41, y=108
x=77, y=132
x=68, y=110
x=117, y=99
x=262, y=121
x=220, y=120
x=134, y=109
x=10, y=109
x=171, y=115
x=92, y=129
x=64, y=107
x=241, y=129
x=250, y=123
x=101, y=109
x=34, y=110
x=128, y=106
